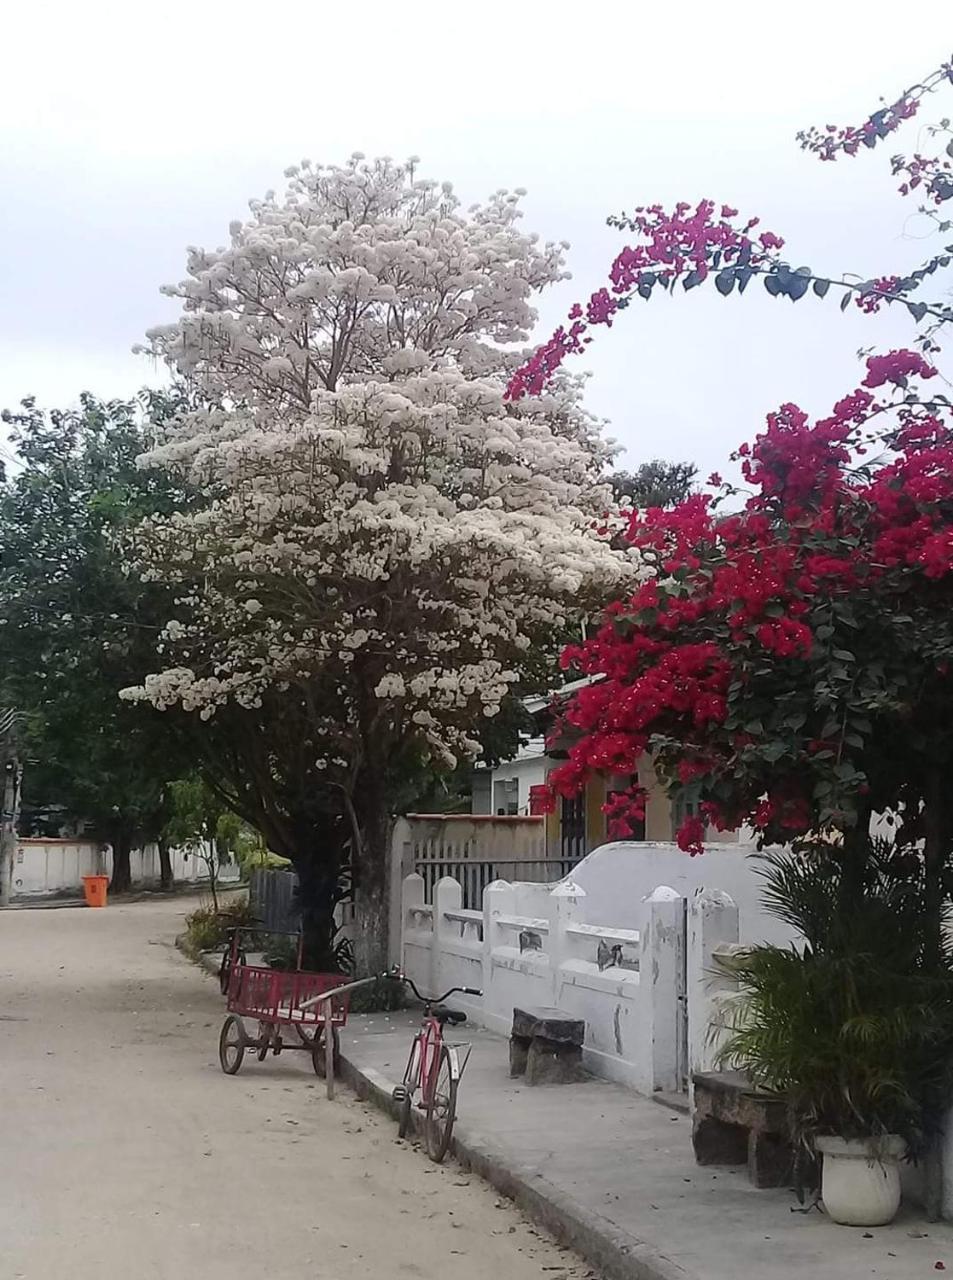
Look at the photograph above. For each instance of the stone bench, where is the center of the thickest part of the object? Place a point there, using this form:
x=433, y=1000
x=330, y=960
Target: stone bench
x=735, y=1122
x=546, y=1046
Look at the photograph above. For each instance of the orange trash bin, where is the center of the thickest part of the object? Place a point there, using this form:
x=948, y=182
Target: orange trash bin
x=94, y=888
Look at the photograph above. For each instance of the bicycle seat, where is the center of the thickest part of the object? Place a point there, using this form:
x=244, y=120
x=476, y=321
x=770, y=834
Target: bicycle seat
x=445, y=1015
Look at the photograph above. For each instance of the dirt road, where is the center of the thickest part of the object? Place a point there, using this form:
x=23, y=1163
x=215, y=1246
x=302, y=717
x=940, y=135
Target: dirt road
x=124, y=1150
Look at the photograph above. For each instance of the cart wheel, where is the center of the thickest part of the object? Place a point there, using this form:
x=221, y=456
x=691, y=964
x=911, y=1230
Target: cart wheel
x=231, y=1045
x=317, y=1051
x=264, y=1040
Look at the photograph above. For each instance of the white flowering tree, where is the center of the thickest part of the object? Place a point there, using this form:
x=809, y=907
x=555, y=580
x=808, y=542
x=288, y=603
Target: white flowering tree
x=383, y=538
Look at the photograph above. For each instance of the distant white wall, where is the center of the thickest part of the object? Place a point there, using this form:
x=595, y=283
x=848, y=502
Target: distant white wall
x=509, y=782
x=45, y=867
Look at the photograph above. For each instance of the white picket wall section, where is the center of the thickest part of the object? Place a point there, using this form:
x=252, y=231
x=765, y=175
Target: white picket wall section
x=621, y=981
x=641, y=972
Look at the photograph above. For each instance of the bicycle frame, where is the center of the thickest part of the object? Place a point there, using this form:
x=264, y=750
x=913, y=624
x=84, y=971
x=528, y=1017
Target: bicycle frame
x=428, y=1043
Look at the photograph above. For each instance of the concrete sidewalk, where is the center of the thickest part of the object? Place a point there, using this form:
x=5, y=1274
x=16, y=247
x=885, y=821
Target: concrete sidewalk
x=612, y=1174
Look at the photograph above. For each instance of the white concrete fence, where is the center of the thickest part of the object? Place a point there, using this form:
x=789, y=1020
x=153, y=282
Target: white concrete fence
x=44, y=867
x=647, y=995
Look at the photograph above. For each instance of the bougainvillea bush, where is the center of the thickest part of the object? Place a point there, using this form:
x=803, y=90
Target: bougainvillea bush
x=789, y=658
x=706, y=241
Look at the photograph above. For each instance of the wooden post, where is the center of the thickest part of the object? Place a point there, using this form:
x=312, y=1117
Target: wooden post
x=328, y=1051
x=325, y=999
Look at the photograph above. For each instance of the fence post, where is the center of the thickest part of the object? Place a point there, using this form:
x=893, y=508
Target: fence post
x=497, y=900
x=411, y=895
x=401, y=865
x=712, y=922
x=447, y=896
x=661, y=971
x=564, y=910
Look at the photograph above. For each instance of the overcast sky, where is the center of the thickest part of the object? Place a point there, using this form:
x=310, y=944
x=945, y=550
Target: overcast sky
x=128, y=132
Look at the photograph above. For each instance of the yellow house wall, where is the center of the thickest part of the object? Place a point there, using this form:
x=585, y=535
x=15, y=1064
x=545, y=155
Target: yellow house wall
x=595, y=818
x=658, y=814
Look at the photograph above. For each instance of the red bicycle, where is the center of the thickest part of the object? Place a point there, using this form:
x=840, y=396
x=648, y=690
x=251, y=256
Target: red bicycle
x=433, y=1070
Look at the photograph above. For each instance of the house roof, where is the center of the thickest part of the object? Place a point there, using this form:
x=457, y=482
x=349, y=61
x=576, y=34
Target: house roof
x=540, y=701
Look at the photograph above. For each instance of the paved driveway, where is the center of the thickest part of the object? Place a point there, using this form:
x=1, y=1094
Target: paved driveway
x=124, y=1150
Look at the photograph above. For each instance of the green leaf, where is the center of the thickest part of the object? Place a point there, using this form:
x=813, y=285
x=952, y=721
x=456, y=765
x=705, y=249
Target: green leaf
x=821, y=287
x=798, y=287
x=845, y=301
x=844, y=655
x=725, y=281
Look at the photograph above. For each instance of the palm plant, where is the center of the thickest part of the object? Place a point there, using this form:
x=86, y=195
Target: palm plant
x=854, y=1025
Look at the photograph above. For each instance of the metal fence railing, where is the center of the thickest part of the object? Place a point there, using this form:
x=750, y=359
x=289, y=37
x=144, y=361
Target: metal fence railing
x=475, y=874
x=271, y=898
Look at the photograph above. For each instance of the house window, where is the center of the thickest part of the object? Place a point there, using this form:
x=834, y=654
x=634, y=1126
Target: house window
x=572, y=828
x=506, y=797
x=686, y=803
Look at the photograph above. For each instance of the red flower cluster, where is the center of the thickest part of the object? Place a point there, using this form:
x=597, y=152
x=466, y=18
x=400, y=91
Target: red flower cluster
x=880, y=290
x=685, y=244
x=690, y=836
x=624, y=810
x=747, y=600
x=933, y=171
x=896, y=367
x=829, y=141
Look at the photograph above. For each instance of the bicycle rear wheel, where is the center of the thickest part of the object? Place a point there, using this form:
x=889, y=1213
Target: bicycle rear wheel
x=441, y=1108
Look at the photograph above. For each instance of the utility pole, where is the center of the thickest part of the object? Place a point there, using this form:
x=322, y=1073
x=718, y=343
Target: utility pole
x=10, y=773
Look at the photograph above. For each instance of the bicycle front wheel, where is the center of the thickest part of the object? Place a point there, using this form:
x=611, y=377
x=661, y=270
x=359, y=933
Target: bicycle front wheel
x=441, y=1108
x=411, y=1081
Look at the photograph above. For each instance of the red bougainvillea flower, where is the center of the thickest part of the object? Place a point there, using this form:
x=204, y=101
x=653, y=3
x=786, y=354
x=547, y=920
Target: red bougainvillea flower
x=730, y=664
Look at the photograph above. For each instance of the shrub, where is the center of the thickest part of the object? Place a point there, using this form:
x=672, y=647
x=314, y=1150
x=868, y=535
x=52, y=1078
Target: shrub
x=207, y=929
x=855, y=1024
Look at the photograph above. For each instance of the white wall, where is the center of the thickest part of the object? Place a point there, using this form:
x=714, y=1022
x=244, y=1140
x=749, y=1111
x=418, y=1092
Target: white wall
x=630, y=1006
x=616, y=877
x=45, y=867
x=666, y=913
x=527, y=771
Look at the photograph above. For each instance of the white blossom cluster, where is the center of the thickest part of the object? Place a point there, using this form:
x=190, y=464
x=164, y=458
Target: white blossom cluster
x=378, y=531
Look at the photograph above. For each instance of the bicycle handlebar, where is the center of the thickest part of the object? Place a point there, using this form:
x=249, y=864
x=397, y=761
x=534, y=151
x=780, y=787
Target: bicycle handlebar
x=397, y=976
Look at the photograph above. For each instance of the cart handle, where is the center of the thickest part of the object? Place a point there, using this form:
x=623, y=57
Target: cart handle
x=328, y=1036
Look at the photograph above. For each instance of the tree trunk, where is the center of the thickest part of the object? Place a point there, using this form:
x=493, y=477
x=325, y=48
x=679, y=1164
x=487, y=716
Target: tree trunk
x=318, y=893
x=121, y=881
x=371, y=888
x=210, y=858
x=166, y=879
x=9, y=812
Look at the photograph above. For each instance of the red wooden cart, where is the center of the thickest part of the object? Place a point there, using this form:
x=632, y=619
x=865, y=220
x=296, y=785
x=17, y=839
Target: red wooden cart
x=275, y=999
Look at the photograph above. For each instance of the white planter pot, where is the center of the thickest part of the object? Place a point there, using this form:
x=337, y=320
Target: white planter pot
x=860, y=1180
